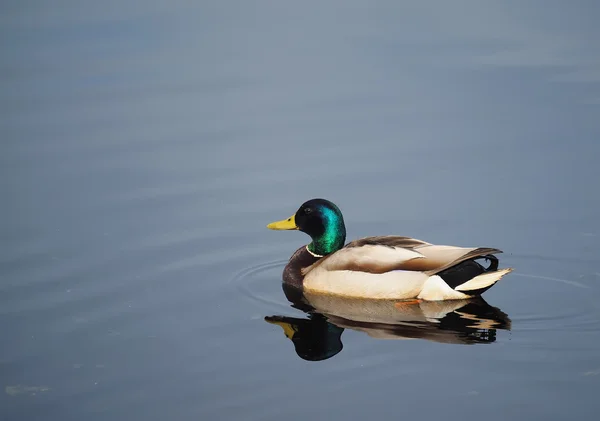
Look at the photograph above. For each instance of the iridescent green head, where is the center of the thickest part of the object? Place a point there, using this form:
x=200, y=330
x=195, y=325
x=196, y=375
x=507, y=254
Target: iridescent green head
x=320, y=219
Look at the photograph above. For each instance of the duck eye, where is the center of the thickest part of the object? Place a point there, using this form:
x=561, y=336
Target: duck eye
x=307, y=211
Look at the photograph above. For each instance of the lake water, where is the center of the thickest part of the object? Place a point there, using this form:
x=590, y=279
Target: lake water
x=145, y=147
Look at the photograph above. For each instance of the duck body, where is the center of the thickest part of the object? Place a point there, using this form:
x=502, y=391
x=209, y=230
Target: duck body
x=383, y=267
x=377, y=271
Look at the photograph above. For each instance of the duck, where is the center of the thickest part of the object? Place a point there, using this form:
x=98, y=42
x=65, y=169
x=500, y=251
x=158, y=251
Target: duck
x=387, y=267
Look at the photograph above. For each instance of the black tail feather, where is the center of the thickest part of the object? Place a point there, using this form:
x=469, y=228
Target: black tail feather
x=467, y=270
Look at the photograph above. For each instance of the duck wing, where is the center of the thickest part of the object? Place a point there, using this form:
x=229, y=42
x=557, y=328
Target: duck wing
x=372, y=254
x=389, y=253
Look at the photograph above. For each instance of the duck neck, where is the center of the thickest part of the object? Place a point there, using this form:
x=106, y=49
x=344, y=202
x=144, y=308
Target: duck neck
x=330, y=241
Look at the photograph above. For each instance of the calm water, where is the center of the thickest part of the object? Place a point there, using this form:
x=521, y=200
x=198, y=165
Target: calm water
x=144, y=149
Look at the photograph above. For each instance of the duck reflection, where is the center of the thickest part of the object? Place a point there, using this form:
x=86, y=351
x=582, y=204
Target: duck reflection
x=318, y=337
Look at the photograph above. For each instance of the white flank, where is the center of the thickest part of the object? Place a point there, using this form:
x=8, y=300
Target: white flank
x=435, y=289
x=483, y=281
x=397, y=285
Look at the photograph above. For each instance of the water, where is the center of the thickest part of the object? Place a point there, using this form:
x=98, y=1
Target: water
x=145, y=147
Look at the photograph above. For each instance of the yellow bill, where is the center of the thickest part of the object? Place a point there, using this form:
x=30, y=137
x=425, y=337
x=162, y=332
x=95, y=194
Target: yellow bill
x=288, y=328
x=286, y=224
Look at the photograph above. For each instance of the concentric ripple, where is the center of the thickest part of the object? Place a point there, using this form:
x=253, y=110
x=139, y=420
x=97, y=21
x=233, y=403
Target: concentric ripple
x=560, y=304
x=261, y=284
x=563, y=305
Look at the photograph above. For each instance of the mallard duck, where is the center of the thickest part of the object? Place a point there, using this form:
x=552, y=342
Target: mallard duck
x=383, y=267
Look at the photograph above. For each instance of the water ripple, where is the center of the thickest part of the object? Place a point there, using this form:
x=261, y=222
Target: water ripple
x=256, y=283
x=571, y=311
